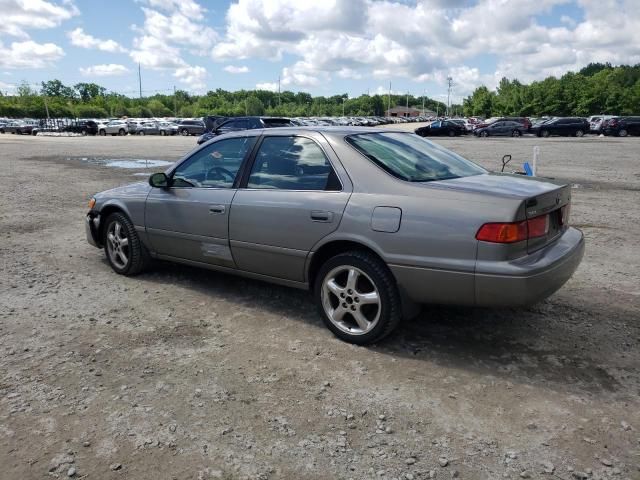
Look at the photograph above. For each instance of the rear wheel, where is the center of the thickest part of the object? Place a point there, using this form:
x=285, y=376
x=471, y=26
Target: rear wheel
x=184, y=132
x=484, y=134
x=516, y=133
x=358, y=297
x=623, y=133
x=103, y=133
x=121, y=132
x=579, y=133
x=162, y=133
x=452, y=133
x=141, y=133
x=545, y=133
x=125, y=252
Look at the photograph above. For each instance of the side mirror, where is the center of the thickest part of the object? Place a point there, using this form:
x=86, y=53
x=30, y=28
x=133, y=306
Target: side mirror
x=159, y=180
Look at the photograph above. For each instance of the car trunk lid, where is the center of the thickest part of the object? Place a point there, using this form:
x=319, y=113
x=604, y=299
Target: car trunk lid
x=554, y=205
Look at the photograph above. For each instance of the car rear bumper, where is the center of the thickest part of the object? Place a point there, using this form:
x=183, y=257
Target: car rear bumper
x=91, y=227
x=532, y=278
x=514, y=283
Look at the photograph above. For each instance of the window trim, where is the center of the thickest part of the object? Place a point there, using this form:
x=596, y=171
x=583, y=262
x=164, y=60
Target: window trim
x=251, y=161
x=239, y=174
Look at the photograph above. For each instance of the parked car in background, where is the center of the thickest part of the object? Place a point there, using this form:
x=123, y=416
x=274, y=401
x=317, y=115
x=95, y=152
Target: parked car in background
x=157, y=128
x=596, y=122
x=20, y=127
x=524, y=121
x=441, y=127
x=237, y=124
x=563, y=126
x=191, y=127
x=83, y=127
x=501, y=129
x=622, y=126
x=363, y=218
x=114, y=127
x=468, y=126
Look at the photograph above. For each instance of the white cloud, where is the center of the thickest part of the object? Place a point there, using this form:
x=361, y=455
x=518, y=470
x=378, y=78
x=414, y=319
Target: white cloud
x=169, y=27
x=83, y=40
x=105, y=70
x=269, y=86
x=29, y=54
x=19, y=16
x=234, y=69
x=192, y=76
x=426, y=40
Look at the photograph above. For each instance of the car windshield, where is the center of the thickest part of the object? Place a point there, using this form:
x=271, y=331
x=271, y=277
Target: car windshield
x=412, y=158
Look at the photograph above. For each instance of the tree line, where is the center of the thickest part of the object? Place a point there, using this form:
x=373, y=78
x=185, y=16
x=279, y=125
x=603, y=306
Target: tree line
x=596, y=89
x=89, y=100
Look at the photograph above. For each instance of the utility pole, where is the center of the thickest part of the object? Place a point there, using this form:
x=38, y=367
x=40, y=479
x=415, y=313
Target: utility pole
x=175, y=104
x=139, y=79
x=279, y=102
x=343, y=106
x=389, y=101
x=423, y=95
x=449, y=85
x=46, y=107
x=407, y=102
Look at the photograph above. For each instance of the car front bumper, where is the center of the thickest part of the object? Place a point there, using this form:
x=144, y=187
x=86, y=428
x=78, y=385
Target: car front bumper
x=520, y=282
x=92, y=227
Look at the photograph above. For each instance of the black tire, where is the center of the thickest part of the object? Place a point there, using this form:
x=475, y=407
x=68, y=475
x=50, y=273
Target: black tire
x=579, y=133
x=83, y=133
x=516, y=133
x=141, y=133
x=452, y=133
x=383, y=281
x=544, y=133
x=184, y=132
x=121, y=132
x=103, y=133
x=162, y=133
x=138, y=255
x=623, y=132
x=484, y=134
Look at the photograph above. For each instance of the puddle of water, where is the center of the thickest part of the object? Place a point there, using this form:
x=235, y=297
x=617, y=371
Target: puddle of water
x=137, y=163
x=128, y=163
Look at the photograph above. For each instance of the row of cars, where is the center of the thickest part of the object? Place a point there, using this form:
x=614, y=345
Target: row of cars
x=541, y=127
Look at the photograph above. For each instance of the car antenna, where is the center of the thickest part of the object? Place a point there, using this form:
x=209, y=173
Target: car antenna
x=505, y=160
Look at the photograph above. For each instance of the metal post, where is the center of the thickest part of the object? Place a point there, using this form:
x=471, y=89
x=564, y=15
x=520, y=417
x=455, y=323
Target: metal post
x=424, y=94
x=279, y=101
x=175, y=104
x=389, y=101
x=449, y=84
x=139, y=79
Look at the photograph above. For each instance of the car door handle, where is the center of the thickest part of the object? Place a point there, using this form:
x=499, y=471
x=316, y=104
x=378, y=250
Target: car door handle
x=217, y=209
x=321, y=216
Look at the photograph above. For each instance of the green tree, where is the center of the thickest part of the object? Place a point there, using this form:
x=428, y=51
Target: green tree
x=254, y=106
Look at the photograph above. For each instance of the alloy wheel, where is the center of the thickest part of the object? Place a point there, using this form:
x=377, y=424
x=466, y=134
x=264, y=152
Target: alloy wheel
x=351, y=300
x=118, y=245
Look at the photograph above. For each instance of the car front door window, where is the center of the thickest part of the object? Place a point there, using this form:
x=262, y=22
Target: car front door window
x=214, y=166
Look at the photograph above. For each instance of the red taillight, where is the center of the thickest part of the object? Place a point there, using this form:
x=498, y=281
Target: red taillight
x=514, y=231
x=502, y=232
x=538, y=226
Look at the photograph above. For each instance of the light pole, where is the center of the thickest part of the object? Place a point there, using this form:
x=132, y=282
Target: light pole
x=343, y=99
x=423, y=95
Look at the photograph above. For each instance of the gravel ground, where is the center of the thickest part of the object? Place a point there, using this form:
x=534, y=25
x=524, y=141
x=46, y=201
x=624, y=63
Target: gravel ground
x=189, y=374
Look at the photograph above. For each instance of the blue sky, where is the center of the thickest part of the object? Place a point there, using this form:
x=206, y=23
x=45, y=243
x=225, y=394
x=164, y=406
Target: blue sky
x=322, y=47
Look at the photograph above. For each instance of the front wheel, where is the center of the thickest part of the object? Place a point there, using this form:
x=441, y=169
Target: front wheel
x=623, y=133
x=358, y=297
x=452, y=133
x=121, y=132
x=184, y=132
x=516, y=133
x=125, y=252
x=545, y=133
x=162, y=133
x=484, y=134
x=579, y=133
x=103, y=133
x=141, y=133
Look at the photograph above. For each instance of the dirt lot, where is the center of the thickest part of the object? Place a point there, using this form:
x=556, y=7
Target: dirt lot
x=189, y=374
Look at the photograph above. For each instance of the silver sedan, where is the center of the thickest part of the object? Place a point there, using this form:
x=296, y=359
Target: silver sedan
x=374, y=223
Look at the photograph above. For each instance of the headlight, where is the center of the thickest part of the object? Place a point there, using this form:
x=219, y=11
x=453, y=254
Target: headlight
x=92, y=203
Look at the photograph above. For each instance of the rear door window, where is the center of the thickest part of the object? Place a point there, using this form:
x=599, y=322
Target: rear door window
x=292, y=163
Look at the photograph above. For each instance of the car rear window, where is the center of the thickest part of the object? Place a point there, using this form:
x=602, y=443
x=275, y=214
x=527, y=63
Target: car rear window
x=412, y=158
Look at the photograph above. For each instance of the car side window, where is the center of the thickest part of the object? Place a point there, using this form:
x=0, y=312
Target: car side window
x=292, y=163
x=235, y=125
x=214, y=166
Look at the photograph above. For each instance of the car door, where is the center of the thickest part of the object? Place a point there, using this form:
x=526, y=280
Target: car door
x=497, y=129
x=233, y=126
x=291, y=198
x=189, y=220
